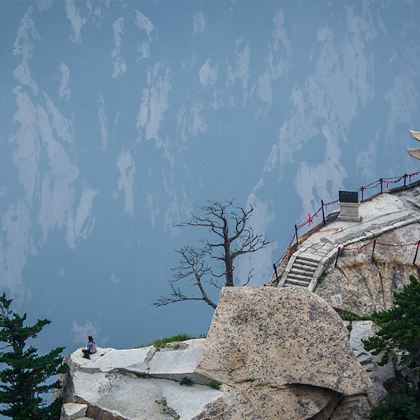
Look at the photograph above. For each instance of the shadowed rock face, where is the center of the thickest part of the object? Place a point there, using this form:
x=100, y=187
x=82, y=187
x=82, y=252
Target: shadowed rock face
x=283, y=353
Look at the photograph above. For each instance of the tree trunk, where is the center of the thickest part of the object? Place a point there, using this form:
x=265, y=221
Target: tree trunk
x=228, y=268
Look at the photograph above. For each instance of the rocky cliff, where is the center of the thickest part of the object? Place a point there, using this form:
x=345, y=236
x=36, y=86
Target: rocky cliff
x=272, y=352
x=277, y=353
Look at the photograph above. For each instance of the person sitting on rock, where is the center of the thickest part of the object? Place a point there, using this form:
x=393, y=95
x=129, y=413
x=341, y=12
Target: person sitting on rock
x=90, y=348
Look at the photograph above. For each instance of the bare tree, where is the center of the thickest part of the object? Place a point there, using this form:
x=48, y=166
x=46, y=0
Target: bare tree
x=231, y=237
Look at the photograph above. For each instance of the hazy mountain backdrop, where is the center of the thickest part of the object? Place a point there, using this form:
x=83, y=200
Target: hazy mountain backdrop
x=116, y=117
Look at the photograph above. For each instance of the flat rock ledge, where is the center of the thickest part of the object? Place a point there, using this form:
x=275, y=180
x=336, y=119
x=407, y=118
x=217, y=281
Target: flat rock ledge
x=140, y=383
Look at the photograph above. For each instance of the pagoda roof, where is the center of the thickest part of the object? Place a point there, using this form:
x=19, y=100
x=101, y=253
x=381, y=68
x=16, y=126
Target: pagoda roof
x=415, y=153
x=415, y=134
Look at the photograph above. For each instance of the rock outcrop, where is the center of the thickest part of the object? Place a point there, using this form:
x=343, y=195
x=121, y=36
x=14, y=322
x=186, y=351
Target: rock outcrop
x=140, y=383
x=283, y=353
x=272, y=353
x=278, y=353
x=363, y=285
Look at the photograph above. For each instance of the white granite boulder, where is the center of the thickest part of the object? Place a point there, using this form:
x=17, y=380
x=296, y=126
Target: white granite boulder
x=141, y=383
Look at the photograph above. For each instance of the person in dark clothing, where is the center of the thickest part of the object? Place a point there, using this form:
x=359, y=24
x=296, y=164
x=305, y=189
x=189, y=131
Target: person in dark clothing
x=90, y=348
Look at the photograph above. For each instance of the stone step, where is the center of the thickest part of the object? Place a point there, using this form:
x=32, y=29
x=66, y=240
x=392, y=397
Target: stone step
x=294, y=282
x=299, y=277
x=294, y=285
x=307, y=263
x=296, y=270
x=312, y=260
x=299, y=266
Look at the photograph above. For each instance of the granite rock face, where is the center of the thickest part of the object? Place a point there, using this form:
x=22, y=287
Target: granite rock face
x=362, y=285
x=280, y=337
x=140, y=383
x=283, y=353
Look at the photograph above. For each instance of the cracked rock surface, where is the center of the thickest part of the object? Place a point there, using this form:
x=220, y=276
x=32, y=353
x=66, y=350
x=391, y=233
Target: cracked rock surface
x=140, y=383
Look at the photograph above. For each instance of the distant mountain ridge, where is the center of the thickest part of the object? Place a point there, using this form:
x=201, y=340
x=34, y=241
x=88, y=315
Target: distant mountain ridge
x=118, y=117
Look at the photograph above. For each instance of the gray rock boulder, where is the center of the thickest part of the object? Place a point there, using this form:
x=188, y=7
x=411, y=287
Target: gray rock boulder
x=361, y=330
x=73, y=411
x=280, y=337
x=283, y=353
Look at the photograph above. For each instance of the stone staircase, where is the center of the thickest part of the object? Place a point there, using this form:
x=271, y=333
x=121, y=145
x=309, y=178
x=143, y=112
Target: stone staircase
x=302, y=270
x=351, y=407
x=366, y=360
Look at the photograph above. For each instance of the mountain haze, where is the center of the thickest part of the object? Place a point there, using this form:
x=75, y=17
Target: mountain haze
x=117, y=117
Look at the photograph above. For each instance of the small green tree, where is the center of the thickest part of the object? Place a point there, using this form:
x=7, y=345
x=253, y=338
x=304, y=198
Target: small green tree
x=398, y=339
x=26, y=376
x=399, y=328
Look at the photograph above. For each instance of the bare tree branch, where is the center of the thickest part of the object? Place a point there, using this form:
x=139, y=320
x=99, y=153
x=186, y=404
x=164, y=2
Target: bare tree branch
x=227, y=222
x=250, y=275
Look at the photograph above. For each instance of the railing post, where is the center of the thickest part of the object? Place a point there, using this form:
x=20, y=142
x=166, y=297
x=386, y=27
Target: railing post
x=417, y=251
x=373, y=249
x=323, y=213
x=405, y=180
x=362, y=189
x=296, y=234
x=336, y=258
x=382, y=182
x=275, y=271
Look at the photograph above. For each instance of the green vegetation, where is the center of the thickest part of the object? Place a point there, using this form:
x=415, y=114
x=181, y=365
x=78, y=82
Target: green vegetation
x=162, y=343
x=397, y=407
x=398, y=340
x=215, y=385
x=347, y=315
x=186, y=381
x=25, y=376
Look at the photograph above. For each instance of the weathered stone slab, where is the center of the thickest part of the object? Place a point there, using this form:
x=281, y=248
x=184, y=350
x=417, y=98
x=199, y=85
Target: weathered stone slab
x=77, y=360
x=122, y=396
x=179, y=363
x=278, y=337
x=175, y=362
x=72, y=411
x=135, y=360
x=126, y=384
